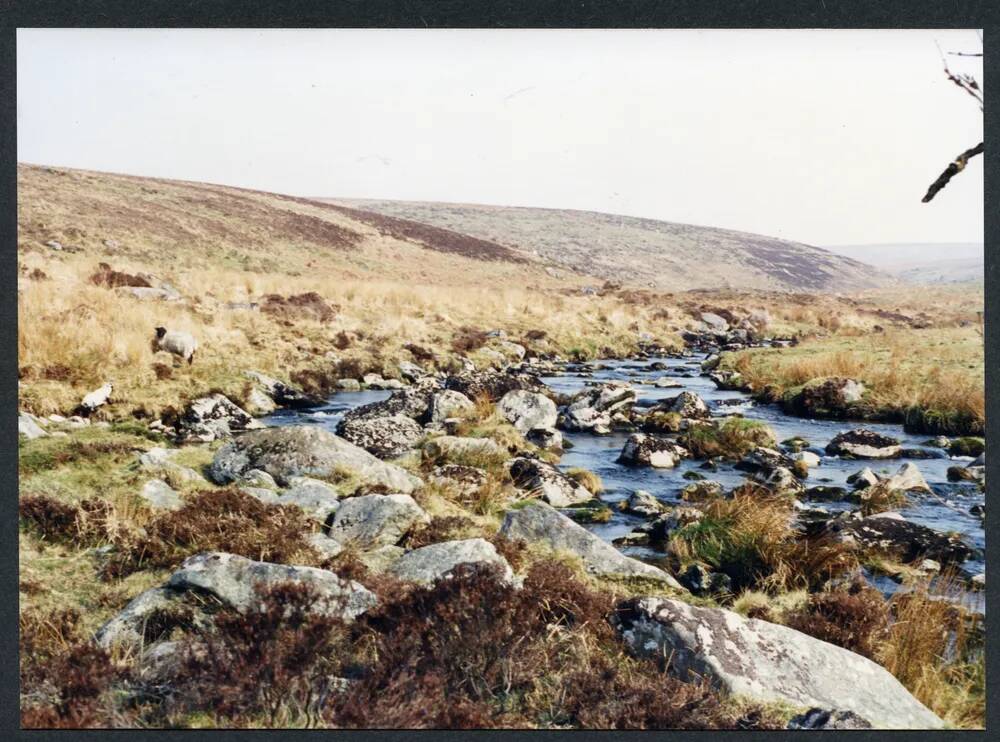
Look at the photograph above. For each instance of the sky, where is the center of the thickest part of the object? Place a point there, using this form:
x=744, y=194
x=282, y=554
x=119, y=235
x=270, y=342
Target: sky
x=824, y=137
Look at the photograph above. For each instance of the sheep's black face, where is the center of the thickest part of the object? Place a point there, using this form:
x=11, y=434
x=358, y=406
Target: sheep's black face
x=160, y=332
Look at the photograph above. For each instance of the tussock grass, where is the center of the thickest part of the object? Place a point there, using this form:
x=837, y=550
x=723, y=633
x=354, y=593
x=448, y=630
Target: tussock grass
x=732, y=439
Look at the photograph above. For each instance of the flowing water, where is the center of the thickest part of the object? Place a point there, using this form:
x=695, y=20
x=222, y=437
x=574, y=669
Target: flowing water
x=947, y=509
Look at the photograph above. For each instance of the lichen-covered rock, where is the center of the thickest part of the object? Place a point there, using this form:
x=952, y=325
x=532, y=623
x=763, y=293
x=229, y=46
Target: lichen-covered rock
x=541, y=524
x=892, y=535
x=126, y=628
x=160, y=495
x=459, y=449
x=384, y=437
x=301, y=450
x=863, y=444
x=547, y=482
x=643, y=504
x=282, y=394
x=527, y=410
x=686, y=404
x=831, y=397
x=316, y=498
x=213, y=417
x=492, y=384
x=236, y=580
x=645, y=450
x=592, y=409
x=414, y=403
x=370, y=521
x=908, y=479
x=429, y=564
x=702, y=491
x=548, y=439
x=449, y=403
x=765, y=460
x=767, y=662
x=465, y=481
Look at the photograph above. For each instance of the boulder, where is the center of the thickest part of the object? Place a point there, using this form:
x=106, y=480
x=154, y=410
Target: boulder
x=643, y=504
x=447, y=404
x=29, y=427
x=645, y=450
x=316, y=498
x=548, y=439
x=456, y=448
x=547, y=482
x=282, y=394
x=831, y=397
x=539, y=523
x=213, y=417
x=908, y=479
x=384, y=437
x=370, y=521
x=765, y=460
x=863, y=444
x=892, y=535
x=160, y=495
x=862, y=479
x=300, y=450
x=811, y=460
x=816, y=718
x=235, y=581
x=159, y=461
x=492, y=384
x=429, y=564
x=466, y=481
x=411, y=371
x=686, y=404
x=701, y=491
x=591, y=410
x=127, y=628
x=408, y=402
x=715, y=322
x=767, y=662
x=527, y=410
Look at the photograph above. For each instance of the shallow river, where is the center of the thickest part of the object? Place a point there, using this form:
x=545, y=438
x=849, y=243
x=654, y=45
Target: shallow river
x=945, y=510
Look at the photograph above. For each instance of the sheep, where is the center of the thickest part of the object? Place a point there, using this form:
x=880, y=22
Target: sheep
x=181, y=344
x=94, y=399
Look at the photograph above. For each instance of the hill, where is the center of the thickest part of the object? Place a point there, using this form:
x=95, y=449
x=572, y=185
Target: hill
x=642, y=252
x=922, y=263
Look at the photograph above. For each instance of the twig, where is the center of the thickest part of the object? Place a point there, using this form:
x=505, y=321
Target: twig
x=952, y=170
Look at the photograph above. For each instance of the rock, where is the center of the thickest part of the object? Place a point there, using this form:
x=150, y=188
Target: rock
x=727, y=380
x=466, y=481
x=863, y=444
x=258, y=478
x=126, y=629
x=645, y=450
x=978, y=582
x=890, y=534
x=457, y=448
x=527, y=410
x=411, y=371
x=765, y=460
x=539, y=523
x=413, y=403
x=316, y=498
x=213, y=417
x=234, y=580
x=686, y=404
x=158, y=461
x=592, y=409
x=548, y=439
x=260, y=403
x=665, y=382
x=966, y=474
x=702, y=582
x=546, y=481
x=825, y=493
x=643, y=504
x=811, y=460
x=701, y=491
x=714, y=321
x=816, y=718
x=492, y=384
x=326, y=546
x=29, y=427
x=150, y=293
x=449, y=403
x=282, y=394
x=384, y=437
x=782, y=481
x=832, y=397
x=862, y=479
x=160, y=495
x=766, y=662
x=908, y=479
x=349, y=385
x=382, y=558
x=438, y=561
x=300, y=450
x=370, y=521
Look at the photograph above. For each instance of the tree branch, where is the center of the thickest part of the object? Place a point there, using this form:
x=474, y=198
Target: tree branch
x=952, y=170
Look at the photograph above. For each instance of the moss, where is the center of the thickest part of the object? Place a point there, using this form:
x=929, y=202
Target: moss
x=967, y=446
x=592, y=511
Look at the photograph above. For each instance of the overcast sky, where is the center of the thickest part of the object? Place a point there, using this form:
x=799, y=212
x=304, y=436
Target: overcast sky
x=827, y=137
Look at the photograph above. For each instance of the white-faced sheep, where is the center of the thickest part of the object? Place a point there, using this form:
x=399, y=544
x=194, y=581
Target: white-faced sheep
x=181, y=344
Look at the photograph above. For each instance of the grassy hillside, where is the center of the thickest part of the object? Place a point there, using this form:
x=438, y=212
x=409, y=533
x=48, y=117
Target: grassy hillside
x=644, y=252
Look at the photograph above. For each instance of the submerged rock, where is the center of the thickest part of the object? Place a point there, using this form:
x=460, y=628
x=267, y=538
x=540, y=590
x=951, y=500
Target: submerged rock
x=767, y=662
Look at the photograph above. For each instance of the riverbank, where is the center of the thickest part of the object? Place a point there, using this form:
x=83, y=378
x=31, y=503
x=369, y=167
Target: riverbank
x=462, y=457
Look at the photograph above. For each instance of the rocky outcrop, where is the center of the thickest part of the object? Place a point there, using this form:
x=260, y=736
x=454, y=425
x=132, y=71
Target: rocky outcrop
x=547, y=482
x=832, y=397
x=384, y=437
x=413, y=403
x=370, y=521
x=527, y=410
x=593, y=409
x=541, y=524
x=767, y=662
x=429, y=564
x=891, y=535
x=863, y=444
x=645, y=450
x=300, y=450
x=213, y=417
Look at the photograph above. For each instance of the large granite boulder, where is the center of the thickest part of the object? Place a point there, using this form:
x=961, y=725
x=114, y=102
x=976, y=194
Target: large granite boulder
x=546, y=481
x=767, y=662
x=384, y=437
x=370, y=521
x=539, y=523
x=429, y=564
x=301, y=450
x=527, y=410
x=863, y=444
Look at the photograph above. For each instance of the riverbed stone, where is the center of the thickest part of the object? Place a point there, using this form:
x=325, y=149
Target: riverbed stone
x=547, y=482
x=527, y=410
x=384, y=437
x=908, y=479
x=300, y=450
x=592, y=409
x=862, y=443
x=767, y=662
x=686, y=404
x=429, y=564
x=370, y=521
x=213, y=417
x=539, y=523
x=645, y=450
x=643, y=504
x=447, y=404
x=892, y=535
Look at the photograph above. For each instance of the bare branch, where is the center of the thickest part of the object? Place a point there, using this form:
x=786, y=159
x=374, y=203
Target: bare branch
x=952, y=170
